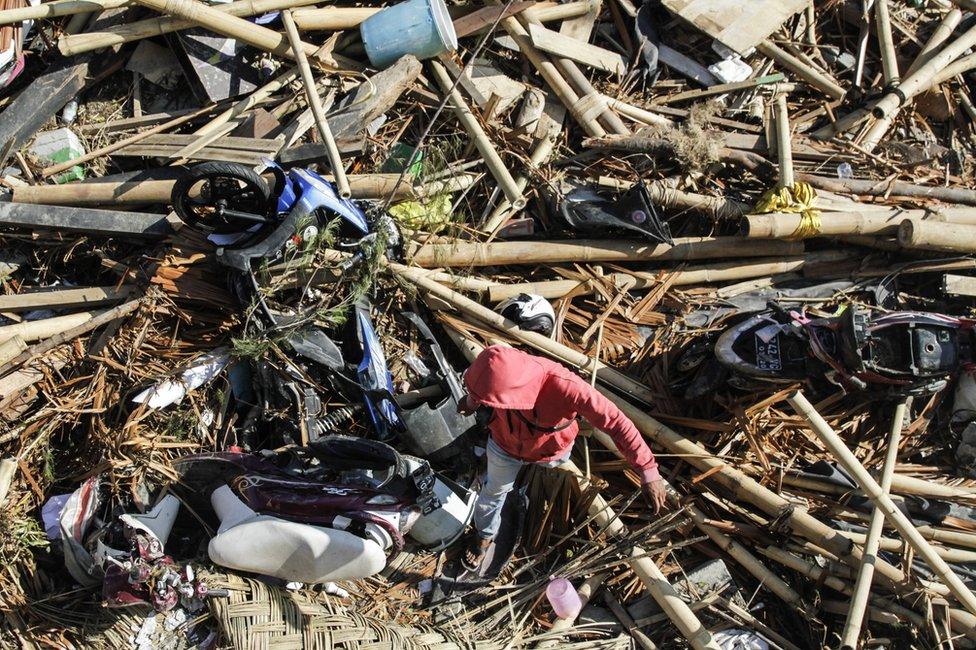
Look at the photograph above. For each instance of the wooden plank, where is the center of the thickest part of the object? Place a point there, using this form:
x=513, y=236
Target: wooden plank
x=227, y=148
x=486, y=17
x=374, y=97
x=576, y=50
x=63, y=298
x=112, y=223
x=738, y=25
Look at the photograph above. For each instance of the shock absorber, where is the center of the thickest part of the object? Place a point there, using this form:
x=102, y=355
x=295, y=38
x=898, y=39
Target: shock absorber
x=332, y=421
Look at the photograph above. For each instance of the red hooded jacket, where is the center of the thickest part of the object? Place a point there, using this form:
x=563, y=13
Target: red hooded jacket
x=533, y=401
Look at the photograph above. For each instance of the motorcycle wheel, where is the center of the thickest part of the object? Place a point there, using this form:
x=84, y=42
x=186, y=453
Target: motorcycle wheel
x=221, y=197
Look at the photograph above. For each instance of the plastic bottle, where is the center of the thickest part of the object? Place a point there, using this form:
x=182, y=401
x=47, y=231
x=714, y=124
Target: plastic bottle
x=563, y=598
x=844, y=170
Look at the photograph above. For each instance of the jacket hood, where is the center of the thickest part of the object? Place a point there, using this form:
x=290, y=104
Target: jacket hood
x=505, y=378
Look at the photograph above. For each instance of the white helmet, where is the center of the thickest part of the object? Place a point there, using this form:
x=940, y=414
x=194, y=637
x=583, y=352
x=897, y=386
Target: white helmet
x=532, y=313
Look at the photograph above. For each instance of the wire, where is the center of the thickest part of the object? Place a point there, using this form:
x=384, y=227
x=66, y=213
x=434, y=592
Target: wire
x=447, y=97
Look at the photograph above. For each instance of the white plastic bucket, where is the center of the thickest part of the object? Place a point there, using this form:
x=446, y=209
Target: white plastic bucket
x=419, y=27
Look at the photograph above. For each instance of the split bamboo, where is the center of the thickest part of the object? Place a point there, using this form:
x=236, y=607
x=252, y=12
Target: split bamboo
x=737, y=551
x=650, y=575
x=862, y=586
x=8, y=466
x=227, y=24
x=315, y=103
x=485, y=147
x=928, y=235
x=589, y=250
x=882, y=501
x=738, y=484
x=921, y=79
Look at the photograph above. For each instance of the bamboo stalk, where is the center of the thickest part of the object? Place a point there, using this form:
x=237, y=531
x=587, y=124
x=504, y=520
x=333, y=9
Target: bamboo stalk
x=882, y=501
x=737, y=551
x=493, y=161
x=66, y=334
x=589, y=250
x=889, y=188
x=722, y=272
x=585, y=593
x=941, y=34
x=882, y=26
x=115, y=146
x=8, y=466
x=927, y=235
x=80, y=43
x=784, y=144
x=650, y=575
x=119, y=193
x=921, y=79
x=315, y=103
x=776, y=225
x=738, y=484
x=553, y=77
x=812, y=76
x=951, y=555
x=57, y=9
x=34, y=330
x=862, y=586
x=505, y=209
x=228, y=24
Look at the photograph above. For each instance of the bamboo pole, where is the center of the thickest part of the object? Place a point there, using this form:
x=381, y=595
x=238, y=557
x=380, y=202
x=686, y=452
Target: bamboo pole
x=776, y=225
x=882, y=26
x=737, y=551
x=812, y=76
x=784, y=144
x=921, y=79
x=582, y=112
x=119, y=193
x=941, y=34
x=862, y=586
x=506, y=210
x=951, y=555
x=650, y=575
x=882, y=501
x=315, y=103
x=493, y=161
x=57, y=9
x=738, y=484
x=227, y=24
x=585, y=593
x=891, y=188
x=80, y=43
x=687, y=276
x=8, y=467
x=34, y=330
x=927, y=235
x=594, y=250
x=340, y=18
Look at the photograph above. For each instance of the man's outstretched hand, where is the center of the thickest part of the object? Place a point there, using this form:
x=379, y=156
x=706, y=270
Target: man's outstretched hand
x=655, y=494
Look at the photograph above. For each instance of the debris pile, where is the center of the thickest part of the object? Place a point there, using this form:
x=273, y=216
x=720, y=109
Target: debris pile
x=250, y=250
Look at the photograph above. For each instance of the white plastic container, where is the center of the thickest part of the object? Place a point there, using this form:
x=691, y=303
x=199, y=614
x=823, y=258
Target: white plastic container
x=58, y=146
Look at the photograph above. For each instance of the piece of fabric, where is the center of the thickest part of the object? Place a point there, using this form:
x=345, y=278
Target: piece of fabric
x=502, y=472
x=549, y=396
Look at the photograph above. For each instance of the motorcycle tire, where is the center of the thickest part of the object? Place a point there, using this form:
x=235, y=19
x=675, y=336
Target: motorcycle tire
x=220, y=186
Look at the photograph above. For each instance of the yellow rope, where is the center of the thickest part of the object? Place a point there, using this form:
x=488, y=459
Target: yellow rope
x=796, y=199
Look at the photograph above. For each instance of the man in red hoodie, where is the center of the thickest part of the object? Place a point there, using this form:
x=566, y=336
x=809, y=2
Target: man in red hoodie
x=535, y=403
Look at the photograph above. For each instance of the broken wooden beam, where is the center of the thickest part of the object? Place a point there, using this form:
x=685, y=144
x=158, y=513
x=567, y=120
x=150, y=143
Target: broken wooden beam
x=109, y=223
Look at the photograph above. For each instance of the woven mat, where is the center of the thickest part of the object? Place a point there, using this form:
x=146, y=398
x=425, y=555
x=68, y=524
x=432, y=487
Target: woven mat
x=257, y=617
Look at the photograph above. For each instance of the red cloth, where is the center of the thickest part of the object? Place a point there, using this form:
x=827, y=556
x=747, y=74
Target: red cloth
x=548, y=395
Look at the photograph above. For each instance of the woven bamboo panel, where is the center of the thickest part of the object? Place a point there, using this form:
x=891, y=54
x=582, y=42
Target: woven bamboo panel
x=258, y=617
